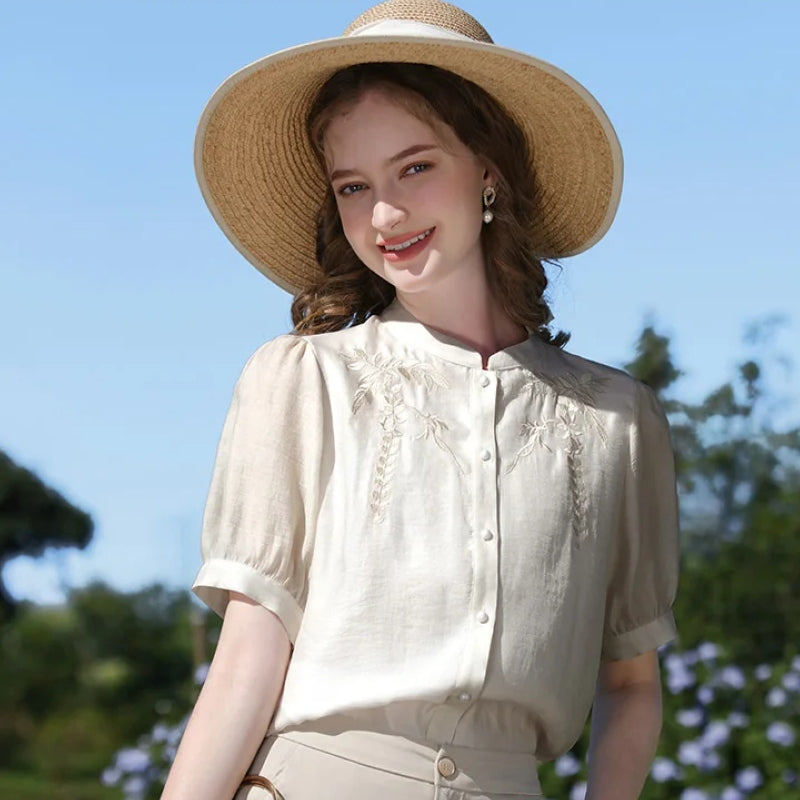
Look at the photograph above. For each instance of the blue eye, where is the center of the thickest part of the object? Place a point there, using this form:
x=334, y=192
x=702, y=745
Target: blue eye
x=416, y=169
x=349, y=189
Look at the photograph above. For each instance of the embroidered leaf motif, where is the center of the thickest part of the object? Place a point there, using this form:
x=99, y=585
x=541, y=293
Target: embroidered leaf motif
x=434, y=427
x=575, y=398
x=533, y=436
x=381, y=382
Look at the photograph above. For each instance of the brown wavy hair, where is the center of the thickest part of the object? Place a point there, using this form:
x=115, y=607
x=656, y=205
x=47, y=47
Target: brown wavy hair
x=348, y=292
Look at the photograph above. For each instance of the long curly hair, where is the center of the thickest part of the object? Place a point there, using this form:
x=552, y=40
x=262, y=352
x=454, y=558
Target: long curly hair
x=348, y=292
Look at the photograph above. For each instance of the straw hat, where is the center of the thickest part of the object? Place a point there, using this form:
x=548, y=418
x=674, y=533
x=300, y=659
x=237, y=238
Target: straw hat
x=263, y=184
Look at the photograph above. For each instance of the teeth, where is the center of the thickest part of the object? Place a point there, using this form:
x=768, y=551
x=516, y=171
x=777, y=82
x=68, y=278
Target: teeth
x=404, y=245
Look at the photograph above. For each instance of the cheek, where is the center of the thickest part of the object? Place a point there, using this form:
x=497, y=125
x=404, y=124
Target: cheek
x=357, y=227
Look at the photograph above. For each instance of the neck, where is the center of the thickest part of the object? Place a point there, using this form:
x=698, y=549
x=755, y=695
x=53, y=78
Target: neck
x=474, y=318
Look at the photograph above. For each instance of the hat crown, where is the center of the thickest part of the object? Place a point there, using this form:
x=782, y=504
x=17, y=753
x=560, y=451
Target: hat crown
x=429, y=12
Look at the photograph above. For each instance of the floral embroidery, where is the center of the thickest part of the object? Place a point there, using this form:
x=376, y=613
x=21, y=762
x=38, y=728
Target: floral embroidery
x=381, y=382
x=575, y=411
x=434, y=427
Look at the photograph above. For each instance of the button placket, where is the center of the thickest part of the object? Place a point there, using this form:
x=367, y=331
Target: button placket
x=485, y=558
x=471, y=673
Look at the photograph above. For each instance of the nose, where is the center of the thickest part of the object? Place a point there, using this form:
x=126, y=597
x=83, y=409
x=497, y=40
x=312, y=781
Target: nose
x=387, y=214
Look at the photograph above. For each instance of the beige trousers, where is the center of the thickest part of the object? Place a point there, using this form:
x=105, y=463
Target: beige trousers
x=362, y=765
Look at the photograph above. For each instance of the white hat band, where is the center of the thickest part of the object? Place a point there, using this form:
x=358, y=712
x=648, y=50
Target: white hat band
x=408, y=27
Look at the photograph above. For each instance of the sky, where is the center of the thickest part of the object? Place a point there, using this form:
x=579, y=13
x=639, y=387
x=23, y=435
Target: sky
x=126, y=315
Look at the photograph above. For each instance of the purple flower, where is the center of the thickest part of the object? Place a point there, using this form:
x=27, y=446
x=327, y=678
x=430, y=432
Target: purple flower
x=567, y=765
x=674, y=662
x=707, y=651
x=663, y=770
x=160, y=732
x=200, y=674
x=111, y=776
x=690, y=657
x=710, y=761
x=733, y=677
x=781, y=733
x=789, y=777
x=135, y=787
x=731, y=793
x=791, y=681
x=763, y=672
x=705, y=694
x=690, y=717
x=716, y=733
x=736, y=719
x=694, y=794
x=679, y=676
x=748, y=779
x=578, y=791
x=796, y=663
x=690, y=753
x=776, y=697
x=132, y=760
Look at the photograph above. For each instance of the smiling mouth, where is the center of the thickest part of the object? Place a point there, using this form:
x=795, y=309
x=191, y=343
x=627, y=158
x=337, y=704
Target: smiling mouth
x=396, y=248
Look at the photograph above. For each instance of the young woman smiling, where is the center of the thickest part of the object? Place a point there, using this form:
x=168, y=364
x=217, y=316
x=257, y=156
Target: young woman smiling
x=436, y=537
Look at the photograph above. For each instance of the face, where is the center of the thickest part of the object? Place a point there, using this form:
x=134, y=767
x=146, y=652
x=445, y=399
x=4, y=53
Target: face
x=409, y=195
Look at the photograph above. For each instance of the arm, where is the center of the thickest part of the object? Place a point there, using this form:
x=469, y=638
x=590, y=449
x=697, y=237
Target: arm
x=626, y=724
x=235, y=706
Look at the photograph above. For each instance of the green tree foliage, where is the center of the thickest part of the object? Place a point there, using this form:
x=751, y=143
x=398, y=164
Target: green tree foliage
x=123, y=659
x=34, y=517
x=740, y=497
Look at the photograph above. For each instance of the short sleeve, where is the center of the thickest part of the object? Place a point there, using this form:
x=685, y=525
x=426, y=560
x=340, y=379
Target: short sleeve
x=266, y=484
x=645, y=562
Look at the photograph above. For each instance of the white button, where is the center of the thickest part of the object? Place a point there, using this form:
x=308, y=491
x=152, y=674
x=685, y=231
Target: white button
x=485, y=455
x=485, y=380
x=465, y=697
x=446, y=767
x=488, y=535
x=483, y=617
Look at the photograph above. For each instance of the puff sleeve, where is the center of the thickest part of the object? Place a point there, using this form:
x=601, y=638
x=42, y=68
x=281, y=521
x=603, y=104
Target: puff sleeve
x=645, y=562
x=267, y=482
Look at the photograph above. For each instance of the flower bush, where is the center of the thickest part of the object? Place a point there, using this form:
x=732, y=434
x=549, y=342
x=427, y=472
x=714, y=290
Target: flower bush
x=729, y=733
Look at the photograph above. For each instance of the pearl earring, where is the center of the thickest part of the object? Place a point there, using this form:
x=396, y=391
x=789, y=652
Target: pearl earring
x=489, y=195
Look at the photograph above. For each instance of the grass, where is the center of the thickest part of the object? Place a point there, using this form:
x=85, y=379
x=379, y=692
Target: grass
x=28, y=786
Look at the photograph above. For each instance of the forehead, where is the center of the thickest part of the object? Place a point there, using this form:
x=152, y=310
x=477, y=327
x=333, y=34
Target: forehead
x=378, y=123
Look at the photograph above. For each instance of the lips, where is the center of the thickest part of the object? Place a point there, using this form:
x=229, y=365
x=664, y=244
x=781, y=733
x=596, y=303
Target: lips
x=408, y=239
x=408, y=247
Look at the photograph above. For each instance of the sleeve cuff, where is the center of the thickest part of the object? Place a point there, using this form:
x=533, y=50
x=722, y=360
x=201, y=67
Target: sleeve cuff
x=217, y=577
x=640, y=640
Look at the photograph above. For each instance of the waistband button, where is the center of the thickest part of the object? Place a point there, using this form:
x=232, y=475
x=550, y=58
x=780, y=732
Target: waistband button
x=446, y=767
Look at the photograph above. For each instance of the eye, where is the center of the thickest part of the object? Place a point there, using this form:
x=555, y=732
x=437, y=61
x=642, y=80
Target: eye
x=349, y=189
x=416, y=169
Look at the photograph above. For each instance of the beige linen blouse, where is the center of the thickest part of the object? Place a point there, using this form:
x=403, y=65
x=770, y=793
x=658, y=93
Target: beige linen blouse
x=452, y=550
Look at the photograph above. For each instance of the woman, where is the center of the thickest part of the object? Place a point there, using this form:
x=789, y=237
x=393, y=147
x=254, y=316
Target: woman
x=435, y=536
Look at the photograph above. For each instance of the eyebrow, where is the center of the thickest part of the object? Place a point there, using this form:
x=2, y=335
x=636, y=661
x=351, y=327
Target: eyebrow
x=409, y=151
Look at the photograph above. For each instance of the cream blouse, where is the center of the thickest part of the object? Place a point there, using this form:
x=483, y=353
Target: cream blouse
x=452, y=550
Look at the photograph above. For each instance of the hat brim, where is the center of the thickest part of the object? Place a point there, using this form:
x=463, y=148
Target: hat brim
x=263, y=185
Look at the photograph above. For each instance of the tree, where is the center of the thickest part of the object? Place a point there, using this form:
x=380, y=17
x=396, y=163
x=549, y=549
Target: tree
x=740, y=498
x=33, y=517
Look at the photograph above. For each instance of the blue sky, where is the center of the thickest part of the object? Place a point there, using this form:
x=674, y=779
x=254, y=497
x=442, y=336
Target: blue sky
x=127, y=316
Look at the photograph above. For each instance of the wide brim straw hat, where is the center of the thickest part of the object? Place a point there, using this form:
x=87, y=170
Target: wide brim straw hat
x=264, y=185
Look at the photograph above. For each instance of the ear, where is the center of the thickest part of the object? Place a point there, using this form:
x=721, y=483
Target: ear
x=489, y=178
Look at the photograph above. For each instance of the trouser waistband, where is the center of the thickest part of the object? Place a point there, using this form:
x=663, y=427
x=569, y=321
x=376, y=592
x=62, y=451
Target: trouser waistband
x=464, y=768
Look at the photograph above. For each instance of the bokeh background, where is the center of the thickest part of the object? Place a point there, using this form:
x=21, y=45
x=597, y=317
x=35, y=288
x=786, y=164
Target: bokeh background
x=127, y=316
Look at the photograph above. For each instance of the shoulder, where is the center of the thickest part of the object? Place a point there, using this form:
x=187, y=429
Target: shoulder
x=609, y=388
x=292, y=357
x=320, y=348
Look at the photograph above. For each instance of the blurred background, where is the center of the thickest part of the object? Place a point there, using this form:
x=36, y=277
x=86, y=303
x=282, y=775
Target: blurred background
x=127, y=316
